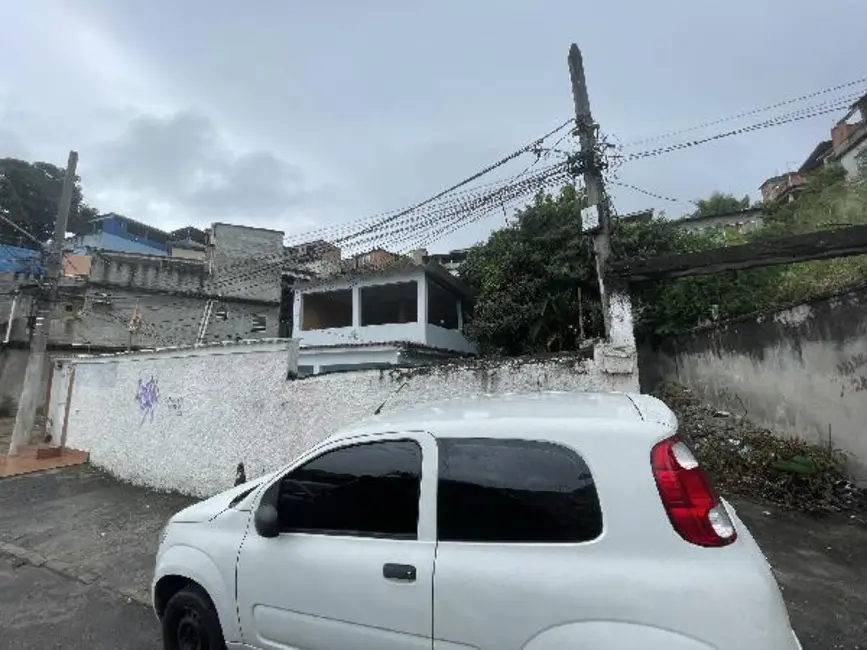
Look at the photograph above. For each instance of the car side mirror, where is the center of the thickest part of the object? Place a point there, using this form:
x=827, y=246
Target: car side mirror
x=267, y=521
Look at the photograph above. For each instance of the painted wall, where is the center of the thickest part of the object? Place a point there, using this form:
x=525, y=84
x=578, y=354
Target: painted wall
x=183, y=419
x=417, y=332
x=315, y=360
x=115, y=243
x=799, y=371
x=851, y=159
x=17, y=259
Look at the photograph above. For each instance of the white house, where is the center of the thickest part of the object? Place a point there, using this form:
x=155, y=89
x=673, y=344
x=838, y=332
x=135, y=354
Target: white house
x=377, y=318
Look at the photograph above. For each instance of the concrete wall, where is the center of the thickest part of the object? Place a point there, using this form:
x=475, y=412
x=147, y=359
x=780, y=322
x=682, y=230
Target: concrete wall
x=183, y=419
x=246, y=262
x=13, y=363
x=110, y=242
x=851, y=160
x=417, y=332
x=799, y=371
x=166, y=320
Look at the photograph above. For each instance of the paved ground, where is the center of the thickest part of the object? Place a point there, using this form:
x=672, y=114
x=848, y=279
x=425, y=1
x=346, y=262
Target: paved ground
x=93, y=540
x=42, y=610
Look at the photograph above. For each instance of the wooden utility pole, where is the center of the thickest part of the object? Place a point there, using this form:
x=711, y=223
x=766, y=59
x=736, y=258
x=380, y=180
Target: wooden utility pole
x=31, y=390
x=596, y=217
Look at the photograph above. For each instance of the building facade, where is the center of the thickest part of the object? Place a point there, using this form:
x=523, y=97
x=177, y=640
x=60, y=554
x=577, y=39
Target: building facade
x=403, y=314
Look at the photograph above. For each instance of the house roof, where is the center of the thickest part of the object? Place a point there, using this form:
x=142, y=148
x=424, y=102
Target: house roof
x=400, y=266
x=114, y=215
x=815, y=158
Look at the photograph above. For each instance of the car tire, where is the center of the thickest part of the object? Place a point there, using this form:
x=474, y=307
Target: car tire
x=190, y=622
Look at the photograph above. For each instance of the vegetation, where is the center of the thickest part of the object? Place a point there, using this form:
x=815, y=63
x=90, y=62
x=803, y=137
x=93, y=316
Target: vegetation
x=29, y=194
x=528, y=274
x=720, y=203
x=748, y=461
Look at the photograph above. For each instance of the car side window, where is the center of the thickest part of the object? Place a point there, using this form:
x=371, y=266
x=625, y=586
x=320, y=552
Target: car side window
x=514, y=491
x=367, y=490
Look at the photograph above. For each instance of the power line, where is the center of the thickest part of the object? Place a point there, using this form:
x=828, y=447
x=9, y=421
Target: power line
x=475, y=176
x=794, y=117
x=748, y=113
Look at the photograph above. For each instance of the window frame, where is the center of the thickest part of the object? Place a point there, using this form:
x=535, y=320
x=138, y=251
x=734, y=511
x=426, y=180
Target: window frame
x=511, y=439
x=426, y=525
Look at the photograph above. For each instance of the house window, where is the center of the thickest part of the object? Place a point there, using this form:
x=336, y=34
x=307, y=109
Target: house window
x=222, y=313
x=259, y=323
x=326, y=309
x=442, y=306
x=389, y=303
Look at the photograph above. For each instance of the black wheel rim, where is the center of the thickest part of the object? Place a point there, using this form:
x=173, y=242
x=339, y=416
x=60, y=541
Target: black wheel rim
x=190, y=632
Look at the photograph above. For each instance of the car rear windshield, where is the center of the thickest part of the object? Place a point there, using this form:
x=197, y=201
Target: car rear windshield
x=514, y=491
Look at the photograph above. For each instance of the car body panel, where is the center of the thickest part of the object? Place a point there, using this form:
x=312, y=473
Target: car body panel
x=639, y=584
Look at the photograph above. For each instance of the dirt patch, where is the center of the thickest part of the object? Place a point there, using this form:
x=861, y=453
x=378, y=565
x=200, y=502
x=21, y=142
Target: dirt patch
x=747, y=461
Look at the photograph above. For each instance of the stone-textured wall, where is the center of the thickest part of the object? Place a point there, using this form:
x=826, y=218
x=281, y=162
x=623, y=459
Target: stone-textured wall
x=799, y=371
x=183, y=419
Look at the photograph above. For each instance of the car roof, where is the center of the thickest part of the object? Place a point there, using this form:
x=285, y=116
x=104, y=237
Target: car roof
x=612, y=407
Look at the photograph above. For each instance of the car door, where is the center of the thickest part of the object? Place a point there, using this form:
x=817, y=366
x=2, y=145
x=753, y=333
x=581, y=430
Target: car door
x=352, y=568
x=517, y=522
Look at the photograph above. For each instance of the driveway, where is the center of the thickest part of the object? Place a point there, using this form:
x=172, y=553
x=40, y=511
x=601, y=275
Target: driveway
x=76, y=555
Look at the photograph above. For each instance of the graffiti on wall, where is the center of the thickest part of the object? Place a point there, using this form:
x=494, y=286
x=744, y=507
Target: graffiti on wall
x=147, y=396
x=175, y=405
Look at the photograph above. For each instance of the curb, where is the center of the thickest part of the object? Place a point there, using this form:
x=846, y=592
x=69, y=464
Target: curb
x=35, y=559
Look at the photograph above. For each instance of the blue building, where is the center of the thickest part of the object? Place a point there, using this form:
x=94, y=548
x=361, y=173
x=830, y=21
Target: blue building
x=16, y=259
x=114, y=232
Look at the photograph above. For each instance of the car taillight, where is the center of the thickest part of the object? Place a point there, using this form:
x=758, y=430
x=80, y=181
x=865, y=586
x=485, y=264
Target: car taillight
x=692, y=505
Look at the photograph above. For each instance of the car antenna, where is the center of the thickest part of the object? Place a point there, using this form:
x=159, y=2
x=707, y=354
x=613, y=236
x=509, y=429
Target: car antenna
x=399, y=388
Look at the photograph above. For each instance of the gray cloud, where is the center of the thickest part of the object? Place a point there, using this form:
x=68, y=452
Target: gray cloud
x=390, y=101
x=182, y=160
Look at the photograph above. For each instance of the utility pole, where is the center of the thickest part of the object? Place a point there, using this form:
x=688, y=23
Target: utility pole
x=31, y=393
x=596, y=217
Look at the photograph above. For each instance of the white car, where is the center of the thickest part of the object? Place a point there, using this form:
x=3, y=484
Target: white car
x=534, y=522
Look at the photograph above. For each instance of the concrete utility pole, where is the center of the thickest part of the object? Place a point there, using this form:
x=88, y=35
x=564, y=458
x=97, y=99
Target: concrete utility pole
x=31, y=391
x=596, y=217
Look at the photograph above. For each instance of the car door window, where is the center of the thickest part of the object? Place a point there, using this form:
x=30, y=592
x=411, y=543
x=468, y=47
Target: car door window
x=369, y=489
x=496, y=490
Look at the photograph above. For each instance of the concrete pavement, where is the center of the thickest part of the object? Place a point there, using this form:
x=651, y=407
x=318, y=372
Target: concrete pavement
x=42, y=610
x=86, y=525
x=85, y=545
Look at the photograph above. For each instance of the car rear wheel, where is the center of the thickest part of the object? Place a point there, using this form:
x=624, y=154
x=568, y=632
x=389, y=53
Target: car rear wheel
x=190, y=622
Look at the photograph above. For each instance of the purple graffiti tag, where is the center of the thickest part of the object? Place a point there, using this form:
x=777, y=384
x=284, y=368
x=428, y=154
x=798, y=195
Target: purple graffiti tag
x=147, y=396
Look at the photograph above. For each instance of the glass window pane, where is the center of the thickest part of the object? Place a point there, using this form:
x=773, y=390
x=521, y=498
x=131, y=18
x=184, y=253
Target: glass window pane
x=493, y=490
x=368, y=490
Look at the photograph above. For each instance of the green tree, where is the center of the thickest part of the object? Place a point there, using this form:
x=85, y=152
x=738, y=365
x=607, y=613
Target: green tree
x=29, y=194
x=526, y=277
x=720, y=203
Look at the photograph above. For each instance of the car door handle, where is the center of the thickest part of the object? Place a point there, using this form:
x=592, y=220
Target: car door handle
x=402, y=572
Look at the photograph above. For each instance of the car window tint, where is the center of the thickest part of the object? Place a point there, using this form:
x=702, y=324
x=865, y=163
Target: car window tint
x=493, y=490
x=368, y=489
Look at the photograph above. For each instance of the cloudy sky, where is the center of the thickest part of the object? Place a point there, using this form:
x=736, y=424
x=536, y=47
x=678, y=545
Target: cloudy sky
x=300, y=115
